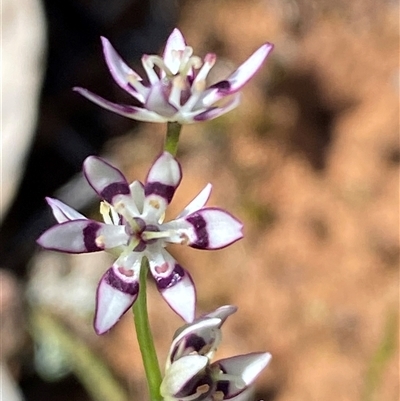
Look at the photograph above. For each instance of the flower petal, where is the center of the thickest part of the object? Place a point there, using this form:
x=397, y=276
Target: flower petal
x=223, y=312
x=178, y=380
x=80, y=236
x=157, y=101
x=198, y=202
x=244, y=367
x=246, y=395
x=137, y=192
x=181, y=294
x=208, y=228
x=116, y=293
x=63, y=212
x=136, y=113
x=214, y=112
x=239, y=77
x=175, y=42
x=122, y=74
x=201, y=337
x=105, y=179
x=166, y=171
x=163, y=179
x=174, y=284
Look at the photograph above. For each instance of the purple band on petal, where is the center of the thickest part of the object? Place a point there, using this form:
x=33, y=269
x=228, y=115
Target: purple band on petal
x=200, y=226
x=116, y=188
x=222, y=86
x=90, y=235
x=174, y=278
x=157, y=188
x=205, y=115
x=112, y=279
x=192, y=343
x=196, y=342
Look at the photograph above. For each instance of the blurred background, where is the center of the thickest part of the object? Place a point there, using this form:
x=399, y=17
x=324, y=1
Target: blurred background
x=309, y=162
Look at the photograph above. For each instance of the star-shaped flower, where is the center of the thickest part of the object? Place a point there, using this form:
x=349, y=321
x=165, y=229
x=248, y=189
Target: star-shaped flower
x=189, y=373
x=178, y=92
x=134, y=228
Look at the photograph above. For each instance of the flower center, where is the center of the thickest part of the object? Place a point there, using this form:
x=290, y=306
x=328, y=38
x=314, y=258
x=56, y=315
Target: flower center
x=139, y=231
x=142, y=234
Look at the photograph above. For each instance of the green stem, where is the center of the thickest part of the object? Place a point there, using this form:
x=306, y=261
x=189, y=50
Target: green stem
x=172, y=138
x=145, y=338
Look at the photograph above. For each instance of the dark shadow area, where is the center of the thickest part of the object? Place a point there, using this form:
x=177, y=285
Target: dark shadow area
x=67, y=389
x=312, y=135
x=69, y=127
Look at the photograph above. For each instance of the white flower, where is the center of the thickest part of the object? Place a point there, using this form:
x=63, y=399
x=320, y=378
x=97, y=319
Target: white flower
x=134, y=228
x=189, y=373
x=178, y=92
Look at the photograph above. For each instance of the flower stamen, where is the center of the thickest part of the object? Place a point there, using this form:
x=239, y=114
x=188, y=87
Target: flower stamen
x=186, y=65
x=178, y=85
x=218, y=396
x=121, y=209
x=149, y=61
x=105, y=210
x=204, y=388
x=99, y=241
x=149, y=235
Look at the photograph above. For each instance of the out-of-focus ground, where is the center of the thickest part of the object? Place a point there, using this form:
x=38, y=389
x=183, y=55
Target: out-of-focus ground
x=310, y=164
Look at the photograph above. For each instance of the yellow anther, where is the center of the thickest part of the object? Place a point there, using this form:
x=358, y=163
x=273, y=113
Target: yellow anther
x=104, y=207
x=204, y=388
x=105, y=212
x=218, y=396
x=99, y=241
x=132, y=78
x=155, y=203
x=184, y=239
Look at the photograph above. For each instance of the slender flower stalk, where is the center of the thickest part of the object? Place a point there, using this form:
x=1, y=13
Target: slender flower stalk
x=172, y=138
x=145, y=337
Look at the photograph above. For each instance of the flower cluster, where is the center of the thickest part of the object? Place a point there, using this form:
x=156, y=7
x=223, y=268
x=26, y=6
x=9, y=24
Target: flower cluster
x=179, y=92
x=135, y=233
x=191, y=376
x=133, y=228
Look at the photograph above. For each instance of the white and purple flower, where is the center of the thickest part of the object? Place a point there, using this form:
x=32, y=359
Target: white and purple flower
x=133, y=228
x=179, y=92
x=191, y=376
